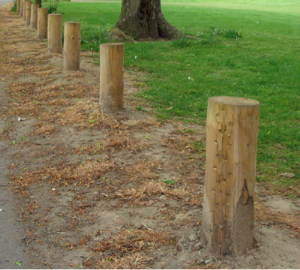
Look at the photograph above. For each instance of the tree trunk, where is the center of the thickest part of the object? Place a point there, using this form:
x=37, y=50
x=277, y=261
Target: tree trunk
x=39, y=2
x=144, y=19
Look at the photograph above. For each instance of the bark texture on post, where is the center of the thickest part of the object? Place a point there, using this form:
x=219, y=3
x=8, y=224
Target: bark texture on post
x=55, y=33
x=228, y=207
x=111, y=77
x=143, y=19
x=28, y=12
x=72, y=40
x=18, y=6
x=42, y=23
x=33, y=20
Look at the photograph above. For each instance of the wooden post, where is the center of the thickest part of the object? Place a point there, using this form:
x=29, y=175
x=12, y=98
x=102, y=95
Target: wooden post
x=42, y=23
x=28, y=12
x=18, y=6
x=228, y=207
x=33, y=20
x=55, y=33
x=72, y=40
x=21, y=8
x=111, y=77
x=24, y=10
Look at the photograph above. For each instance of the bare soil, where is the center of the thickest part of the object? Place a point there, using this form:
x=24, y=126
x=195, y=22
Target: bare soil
x=91, y=189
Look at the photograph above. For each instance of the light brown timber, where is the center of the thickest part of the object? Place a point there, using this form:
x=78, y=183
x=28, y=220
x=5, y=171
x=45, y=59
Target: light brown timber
x=24, y=10
x=28, y=12
x=33, y=20
x=228, y=207
x=42, y=23
x=55, y=33
x=21, y=8
x=72, y=40
x=18, y=6
x=111, y=77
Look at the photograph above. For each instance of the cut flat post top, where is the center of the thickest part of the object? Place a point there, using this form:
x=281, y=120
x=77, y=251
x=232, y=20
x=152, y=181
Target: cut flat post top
x=111, y=77
x=42, y=23
x=72, y=40
x=55, y=33
x=228, y=207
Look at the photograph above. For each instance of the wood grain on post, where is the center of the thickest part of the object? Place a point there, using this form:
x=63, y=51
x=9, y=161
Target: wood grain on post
x=42, y=23
x=55, y=33
x=111, y=77
x=28, y=12
x=72, y=40
x=18, y=6
x=33, y=20
x=228, y=207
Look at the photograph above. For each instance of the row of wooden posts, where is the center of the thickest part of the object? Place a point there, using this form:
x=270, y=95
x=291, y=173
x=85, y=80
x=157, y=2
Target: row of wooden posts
x=231, y=141
x=111, y=55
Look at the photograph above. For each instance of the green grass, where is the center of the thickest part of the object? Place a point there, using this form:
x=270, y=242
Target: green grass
x=14, y=7
x=263, y=64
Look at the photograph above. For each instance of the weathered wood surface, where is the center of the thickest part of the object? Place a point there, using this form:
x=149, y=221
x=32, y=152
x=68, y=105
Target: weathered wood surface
x=228, y=209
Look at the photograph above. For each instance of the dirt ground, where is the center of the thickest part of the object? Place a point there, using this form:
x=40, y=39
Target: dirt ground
x=121, y=191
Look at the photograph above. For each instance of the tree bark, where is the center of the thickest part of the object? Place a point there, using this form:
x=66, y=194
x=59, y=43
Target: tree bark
x=39, y=2
x=144, y=19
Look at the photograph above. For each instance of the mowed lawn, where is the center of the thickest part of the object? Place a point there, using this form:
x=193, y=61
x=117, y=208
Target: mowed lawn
x=243, y=48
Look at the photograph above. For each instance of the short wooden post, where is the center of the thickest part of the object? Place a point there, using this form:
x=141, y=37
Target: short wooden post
x=28, y=12
x=228, y=207
x=24, y=10
x=18, y=6
x=55, y=33
x=72, y=40
x=33, y=20
x=111, y=77
x=42, y=23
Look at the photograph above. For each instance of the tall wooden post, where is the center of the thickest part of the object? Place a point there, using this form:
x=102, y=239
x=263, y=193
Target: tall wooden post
x=21, y=8
x=18, y=6
x=42, y=23
x=72, y=40
x=55, y=33
x=24, y=10
x=228, y=207
x=33, y=20
x=111, y=77
x=28, y=12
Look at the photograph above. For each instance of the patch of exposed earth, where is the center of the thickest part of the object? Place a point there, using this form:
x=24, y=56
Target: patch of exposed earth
x=111, y=191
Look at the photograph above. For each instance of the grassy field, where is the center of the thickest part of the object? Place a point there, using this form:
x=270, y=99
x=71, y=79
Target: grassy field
x=244, y=48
